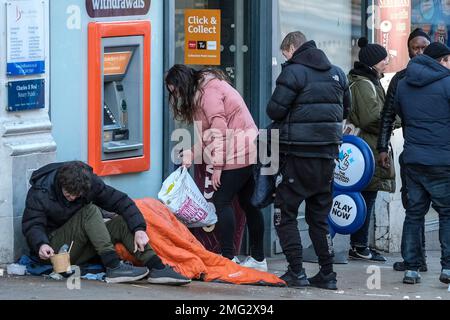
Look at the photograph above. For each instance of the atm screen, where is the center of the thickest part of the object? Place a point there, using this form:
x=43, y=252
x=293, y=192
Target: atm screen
x=116, y=63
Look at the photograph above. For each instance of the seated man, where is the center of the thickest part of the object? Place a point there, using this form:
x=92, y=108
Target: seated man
x=63, y=205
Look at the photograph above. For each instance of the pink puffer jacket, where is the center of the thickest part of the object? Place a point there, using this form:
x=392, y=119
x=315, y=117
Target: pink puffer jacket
x=227, y=127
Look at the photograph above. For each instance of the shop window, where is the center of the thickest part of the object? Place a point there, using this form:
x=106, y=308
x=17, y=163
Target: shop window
x=394, y=20
x=390, y=27
x=433, y=16
x=335, y=26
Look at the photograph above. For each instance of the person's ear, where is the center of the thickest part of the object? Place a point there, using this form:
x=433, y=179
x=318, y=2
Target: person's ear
x=292, y=49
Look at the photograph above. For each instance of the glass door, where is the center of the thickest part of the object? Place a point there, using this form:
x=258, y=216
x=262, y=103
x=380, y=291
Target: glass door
x=235, y=62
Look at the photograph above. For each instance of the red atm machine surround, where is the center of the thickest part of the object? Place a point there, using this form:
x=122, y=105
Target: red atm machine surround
x=119, y=97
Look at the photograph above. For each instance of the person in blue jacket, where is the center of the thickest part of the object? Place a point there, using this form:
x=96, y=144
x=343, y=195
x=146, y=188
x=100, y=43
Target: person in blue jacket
x=423, y=103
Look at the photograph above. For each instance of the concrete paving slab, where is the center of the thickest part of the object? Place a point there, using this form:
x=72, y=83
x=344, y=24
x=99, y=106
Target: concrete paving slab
x=353, y=279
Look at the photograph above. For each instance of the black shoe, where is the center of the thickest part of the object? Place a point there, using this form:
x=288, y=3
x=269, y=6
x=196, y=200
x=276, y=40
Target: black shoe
x=412, y=277
x=125, y=272
x=295, y=280
x=400, y=266
x=376, y=256
x=323, y=281
x=167, y=276
x=445, y=276
x=365, y=254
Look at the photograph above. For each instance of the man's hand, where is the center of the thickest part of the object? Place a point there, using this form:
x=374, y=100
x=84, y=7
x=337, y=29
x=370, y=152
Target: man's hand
x=216, y=179
x=45, y=252
x=383, y=160
x=140, y=241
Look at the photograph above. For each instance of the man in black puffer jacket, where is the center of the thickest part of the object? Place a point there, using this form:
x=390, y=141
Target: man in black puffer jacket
x=310, y=102
x=63, y=206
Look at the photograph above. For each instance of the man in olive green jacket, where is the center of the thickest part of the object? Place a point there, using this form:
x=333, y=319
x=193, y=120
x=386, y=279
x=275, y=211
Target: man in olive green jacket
x=367, y=102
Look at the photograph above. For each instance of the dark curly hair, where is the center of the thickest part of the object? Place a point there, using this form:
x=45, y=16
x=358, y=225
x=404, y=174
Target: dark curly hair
x=75, y=178
x=185, y=82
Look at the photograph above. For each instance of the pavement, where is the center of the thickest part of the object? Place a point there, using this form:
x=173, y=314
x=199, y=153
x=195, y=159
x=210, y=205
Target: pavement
x=357, y=280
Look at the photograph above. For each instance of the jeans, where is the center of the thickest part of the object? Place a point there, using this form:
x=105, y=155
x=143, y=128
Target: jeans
x=426, y=185
x=240, y=183
x=361, y=237
x=404, y=192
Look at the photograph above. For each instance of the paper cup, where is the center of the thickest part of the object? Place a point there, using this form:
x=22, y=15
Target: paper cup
x=61, y=262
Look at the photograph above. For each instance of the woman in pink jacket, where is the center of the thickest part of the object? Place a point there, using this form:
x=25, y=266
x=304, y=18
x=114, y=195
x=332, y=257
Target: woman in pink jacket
x=206, y=99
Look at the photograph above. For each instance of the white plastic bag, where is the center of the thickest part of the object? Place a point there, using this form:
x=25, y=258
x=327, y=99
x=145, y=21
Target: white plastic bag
x=16, y=269
x=180, y=193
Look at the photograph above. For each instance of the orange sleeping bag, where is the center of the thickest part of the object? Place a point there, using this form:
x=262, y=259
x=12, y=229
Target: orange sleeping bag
x=175, y=245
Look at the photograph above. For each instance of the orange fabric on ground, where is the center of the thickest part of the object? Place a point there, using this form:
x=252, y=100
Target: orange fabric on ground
x=176, y=246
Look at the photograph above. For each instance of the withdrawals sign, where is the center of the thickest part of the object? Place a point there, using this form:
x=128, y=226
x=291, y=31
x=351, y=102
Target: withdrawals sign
x=25, y=37
x=26, y=95
x=202, y=37
x=117, y=8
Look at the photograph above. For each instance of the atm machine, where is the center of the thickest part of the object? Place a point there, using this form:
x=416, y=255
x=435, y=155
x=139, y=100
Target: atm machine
x=122, y=132
x=119, y=97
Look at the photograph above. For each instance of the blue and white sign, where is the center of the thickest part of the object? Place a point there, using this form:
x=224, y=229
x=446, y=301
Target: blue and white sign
x=26, y=95
x=355, y=167
x=348, y=213
x=25, y=37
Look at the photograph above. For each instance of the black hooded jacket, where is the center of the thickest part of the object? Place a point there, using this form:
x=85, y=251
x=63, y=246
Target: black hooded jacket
x=388, y=115
x=423, y=103
x=309, y=103
x=47, y=209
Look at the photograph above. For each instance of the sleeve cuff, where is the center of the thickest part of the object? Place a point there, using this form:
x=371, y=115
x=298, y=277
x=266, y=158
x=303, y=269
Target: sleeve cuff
x=140, y=228
x=39, y=244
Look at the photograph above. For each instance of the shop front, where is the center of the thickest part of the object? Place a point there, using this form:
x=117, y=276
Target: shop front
x=100, y=75
x=251, y=32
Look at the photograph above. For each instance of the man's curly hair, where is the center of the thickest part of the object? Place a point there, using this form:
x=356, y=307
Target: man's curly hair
x=75, y=178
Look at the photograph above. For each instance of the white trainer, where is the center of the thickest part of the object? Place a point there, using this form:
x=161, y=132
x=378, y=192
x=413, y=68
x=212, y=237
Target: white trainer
x=236, y=260
x=249, y=262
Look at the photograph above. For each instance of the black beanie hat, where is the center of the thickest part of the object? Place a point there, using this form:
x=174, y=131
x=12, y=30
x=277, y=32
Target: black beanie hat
x=371, y=53
x=437, y=50
x=418, y=32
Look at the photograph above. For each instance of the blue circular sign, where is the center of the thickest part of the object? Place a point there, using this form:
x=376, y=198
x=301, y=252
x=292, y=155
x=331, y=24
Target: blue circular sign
x=348, y=212
x=355, y=166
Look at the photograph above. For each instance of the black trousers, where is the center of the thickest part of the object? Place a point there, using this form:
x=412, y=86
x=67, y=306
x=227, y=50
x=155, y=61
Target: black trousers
x=361, y=237
x=310, y=180
x=238, y=183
